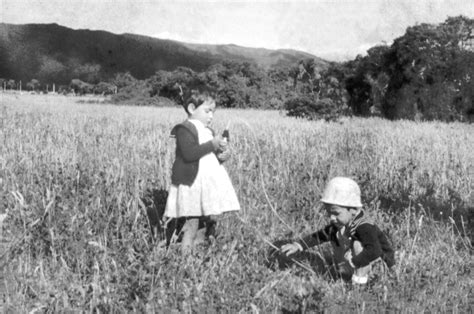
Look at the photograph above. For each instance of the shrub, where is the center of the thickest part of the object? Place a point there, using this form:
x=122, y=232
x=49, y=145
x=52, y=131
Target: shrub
x=305, y=107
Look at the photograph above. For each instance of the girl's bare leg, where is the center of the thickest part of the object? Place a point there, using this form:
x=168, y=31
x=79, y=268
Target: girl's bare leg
x=190, y=229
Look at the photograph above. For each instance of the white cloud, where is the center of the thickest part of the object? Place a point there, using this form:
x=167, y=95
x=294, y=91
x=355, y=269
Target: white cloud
x=168, y=35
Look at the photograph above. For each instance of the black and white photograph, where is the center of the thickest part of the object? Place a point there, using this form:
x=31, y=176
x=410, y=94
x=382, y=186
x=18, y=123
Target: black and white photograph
x=236, y=156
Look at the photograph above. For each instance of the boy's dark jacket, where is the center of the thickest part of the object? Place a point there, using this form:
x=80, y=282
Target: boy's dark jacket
x=188, y=153
x=374, y=242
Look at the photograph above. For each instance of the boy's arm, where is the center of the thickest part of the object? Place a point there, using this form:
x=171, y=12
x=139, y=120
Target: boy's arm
x=371, y=250
x=323, y=235
x=189, y=147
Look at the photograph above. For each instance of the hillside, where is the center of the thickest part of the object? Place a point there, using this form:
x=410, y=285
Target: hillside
x=263, y=57
x=50, y=52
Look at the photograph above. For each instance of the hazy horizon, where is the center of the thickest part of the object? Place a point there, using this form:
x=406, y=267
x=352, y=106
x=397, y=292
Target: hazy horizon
x=335, y=31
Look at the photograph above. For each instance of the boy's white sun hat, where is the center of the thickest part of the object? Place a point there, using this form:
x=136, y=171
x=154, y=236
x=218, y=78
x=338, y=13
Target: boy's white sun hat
x=342, y=191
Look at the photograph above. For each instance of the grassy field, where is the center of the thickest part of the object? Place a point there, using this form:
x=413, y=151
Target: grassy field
x=76, y=237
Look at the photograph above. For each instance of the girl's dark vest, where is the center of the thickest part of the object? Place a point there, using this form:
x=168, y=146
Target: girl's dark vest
x=184, y=172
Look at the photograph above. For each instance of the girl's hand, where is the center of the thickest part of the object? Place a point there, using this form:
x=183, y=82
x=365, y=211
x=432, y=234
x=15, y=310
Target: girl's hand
x=219, y=142
x=224, y=155
x=224, y=144
x=291, y=248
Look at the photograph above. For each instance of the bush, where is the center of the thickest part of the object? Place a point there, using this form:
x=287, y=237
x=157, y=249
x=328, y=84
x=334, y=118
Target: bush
x=137, y=94
x=305, y=107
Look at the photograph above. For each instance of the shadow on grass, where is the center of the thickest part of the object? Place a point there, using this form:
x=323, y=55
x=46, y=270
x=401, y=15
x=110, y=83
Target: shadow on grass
x=169, y=229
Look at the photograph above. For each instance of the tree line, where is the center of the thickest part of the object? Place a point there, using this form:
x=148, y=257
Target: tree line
x=426, y=74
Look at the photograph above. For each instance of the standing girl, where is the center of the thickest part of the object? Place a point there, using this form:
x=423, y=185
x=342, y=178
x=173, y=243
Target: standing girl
x=200, y=185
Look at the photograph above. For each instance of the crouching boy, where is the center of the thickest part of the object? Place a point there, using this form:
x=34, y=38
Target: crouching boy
x=357, y=243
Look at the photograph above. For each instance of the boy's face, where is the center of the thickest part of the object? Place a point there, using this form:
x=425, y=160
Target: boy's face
x=339, y=216
x=204, y=112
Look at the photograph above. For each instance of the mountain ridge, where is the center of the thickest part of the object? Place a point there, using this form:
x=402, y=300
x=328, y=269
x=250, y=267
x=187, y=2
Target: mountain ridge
x=52, y=52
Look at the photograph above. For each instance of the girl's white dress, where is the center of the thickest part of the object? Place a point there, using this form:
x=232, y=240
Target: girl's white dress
x=211, y=193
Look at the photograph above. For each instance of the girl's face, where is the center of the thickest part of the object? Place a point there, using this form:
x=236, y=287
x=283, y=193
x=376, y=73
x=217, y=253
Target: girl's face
x=339, y=216
x=204, y=112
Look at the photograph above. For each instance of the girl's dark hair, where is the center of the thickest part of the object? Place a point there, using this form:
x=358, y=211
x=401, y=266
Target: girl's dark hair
x=196, y=94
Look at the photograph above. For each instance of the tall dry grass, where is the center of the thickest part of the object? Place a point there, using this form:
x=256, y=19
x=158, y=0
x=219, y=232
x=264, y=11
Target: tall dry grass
x=72, y=176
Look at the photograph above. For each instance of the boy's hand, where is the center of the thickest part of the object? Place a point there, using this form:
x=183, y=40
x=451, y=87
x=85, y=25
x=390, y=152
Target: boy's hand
x=345, y=268
x=291, y=248
x=348, y=256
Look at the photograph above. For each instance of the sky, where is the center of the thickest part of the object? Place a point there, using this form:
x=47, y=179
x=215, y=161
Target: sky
x=336, y=30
